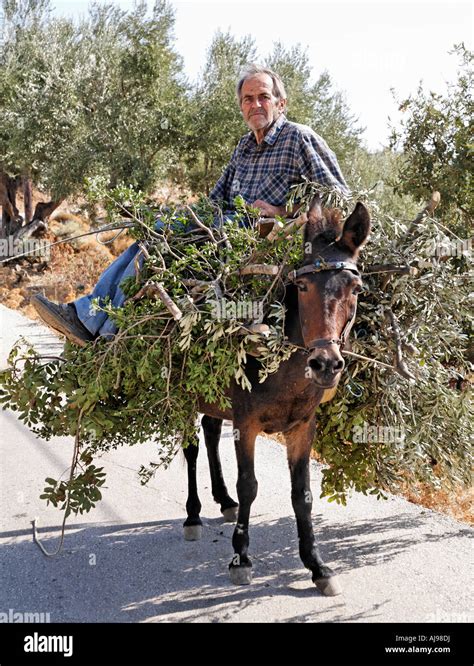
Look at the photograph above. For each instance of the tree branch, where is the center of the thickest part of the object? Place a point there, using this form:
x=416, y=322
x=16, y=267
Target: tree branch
x=400, y=365
x=429, y=209
x=156, y=290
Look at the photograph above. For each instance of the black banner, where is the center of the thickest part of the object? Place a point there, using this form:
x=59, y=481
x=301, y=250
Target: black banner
x=236, y=644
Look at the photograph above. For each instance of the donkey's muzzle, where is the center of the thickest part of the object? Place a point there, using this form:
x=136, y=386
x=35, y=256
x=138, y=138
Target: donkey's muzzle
x=326, y=366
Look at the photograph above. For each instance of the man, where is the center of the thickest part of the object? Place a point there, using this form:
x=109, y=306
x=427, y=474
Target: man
x=275, y=155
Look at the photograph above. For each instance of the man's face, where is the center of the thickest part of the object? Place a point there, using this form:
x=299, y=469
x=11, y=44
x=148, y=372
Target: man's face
x=260, y=108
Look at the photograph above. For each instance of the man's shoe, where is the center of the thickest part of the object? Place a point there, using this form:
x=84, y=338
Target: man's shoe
x=63, y=318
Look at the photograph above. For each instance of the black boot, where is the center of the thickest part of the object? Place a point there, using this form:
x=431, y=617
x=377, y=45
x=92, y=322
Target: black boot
x=63, y=318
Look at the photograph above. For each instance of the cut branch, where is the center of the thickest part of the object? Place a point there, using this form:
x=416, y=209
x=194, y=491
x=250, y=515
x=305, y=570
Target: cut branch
x=260, y=329
x=200, y=224
x=156, y=290
x=429, y=209
x=400, y=365
x=259, y=269
x=391, y=268
x=273, y=230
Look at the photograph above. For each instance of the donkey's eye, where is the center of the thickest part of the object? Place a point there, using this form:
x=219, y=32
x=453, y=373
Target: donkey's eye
x=302, y=286
x=357, y=289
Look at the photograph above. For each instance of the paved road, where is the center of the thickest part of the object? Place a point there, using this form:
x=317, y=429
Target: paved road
x=127, y=560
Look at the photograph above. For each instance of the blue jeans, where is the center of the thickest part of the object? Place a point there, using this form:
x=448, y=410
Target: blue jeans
x=98, y=322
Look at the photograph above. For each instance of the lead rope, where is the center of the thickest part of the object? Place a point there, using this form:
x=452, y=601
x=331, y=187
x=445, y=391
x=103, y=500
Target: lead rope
x=63, y=526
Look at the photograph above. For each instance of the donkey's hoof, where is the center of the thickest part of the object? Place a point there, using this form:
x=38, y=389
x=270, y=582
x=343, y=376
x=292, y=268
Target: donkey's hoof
x=230, y=514
x=328, y=586
x=240, y=575
x=192, y=532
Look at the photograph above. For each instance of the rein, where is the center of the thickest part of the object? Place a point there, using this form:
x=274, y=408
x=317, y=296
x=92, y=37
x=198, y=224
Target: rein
x=318, y=266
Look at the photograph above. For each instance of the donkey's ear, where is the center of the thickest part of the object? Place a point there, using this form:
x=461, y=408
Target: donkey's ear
x=315, y=218
x=356, y=228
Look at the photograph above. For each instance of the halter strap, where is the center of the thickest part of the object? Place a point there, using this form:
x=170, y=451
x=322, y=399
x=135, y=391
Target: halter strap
x=317, y=266
x=323, y=342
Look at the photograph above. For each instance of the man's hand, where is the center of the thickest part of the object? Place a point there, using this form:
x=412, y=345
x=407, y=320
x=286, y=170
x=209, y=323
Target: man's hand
x=267, y=210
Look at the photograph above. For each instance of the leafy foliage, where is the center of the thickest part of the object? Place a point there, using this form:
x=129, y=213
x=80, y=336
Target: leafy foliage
x=149, y=377
x=437, y=142
x=104, y=97
x=379, y=430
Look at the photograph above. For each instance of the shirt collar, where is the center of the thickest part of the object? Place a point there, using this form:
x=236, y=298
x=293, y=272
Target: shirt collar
x=271, y=136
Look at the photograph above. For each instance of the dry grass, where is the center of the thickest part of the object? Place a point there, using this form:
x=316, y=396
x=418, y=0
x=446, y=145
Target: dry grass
x=457, y=503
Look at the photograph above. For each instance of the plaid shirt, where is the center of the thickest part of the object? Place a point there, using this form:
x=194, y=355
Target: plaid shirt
x=288, y=153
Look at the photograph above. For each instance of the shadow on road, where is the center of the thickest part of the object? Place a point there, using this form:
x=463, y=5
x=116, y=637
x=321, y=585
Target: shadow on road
x=148, y=573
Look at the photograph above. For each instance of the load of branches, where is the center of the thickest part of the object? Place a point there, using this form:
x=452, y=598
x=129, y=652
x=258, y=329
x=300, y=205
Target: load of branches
x=208, y=291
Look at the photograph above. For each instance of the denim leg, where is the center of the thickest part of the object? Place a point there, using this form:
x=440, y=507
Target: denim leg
x=97, y=322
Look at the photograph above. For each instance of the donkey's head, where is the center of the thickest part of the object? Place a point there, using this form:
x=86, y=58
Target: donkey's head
x=328, y=284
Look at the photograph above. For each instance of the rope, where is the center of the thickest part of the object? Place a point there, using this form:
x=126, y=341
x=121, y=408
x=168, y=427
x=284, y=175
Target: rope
x=63, y=527
x=70, y=238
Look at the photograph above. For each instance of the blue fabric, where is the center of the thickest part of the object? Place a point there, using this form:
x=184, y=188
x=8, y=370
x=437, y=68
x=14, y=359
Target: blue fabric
x=97, y=322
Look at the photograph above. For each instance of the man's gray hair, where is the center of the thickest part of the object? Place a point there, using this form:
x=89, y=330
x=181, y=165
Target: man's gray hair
x=252, y=70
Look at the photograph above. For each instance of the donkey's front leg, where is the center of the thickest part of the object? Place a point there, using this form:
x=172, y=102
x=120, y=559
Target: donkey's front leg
x=192, y=525
x=240, y=567
x=299, y=441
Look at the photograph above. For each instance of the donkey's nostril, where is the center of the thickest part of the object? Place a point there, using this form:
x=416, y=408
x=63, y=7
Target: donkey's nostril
x=316, y=364
x=338, y=366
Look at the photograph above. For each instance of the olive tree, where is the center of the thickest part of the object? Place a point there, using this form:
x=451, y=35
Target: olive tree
x=436, y=139
x=102, y=99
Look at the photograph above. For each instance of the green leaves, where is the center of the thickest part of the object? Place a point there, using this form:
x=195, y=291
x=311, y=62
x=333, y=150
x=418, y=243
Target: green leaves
x=436, y=138
x=78, y=495
x=105, y=98
x=145, y=383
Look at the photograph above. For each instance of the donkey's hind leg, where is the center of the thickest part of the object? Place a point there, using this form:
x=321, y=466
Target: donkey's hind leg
x=193, y=524
x=212, y=432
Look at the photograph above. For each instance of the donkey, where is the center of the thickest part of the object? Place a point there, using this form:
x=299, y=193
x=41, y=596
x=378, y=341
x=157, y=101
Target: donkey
x=320, y=301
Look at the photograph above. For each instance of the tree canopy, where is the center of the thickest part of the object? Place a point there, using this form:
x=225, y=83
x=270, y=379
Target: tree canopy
x=437, y=140
x=108, y=97
x=104, y=97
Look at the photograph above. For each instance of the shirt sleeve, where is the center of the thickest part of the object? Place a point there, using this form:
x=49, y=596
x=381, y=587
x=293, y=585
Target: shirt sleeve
x=318, y=163
x=222, y=189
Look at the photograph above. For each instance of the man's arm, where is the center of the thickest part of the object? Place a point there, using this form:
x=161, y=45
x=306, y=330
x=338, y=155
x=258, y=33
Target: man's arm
x=318, y=163
x=222, y=189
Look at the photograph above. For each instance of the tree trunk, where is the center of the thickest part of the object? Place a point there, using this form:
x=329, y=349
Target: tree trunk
x=28, y=200
x=44, y=209
x=39, y=222
x=12, y=222
x=11, y=219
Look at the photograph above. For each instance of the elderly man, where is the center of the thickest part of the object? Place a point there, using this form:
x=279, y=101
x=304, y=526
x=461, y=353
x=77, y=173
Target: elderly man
x=272, y=157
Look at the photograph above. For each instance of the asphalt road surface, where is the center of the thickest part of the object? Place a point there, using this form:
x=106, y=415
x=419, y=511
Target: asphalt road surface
x=127, y=560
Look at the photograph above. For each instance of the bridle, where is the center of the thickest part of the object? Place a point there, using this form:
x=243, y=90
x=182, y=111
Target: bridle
x=318, y=266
